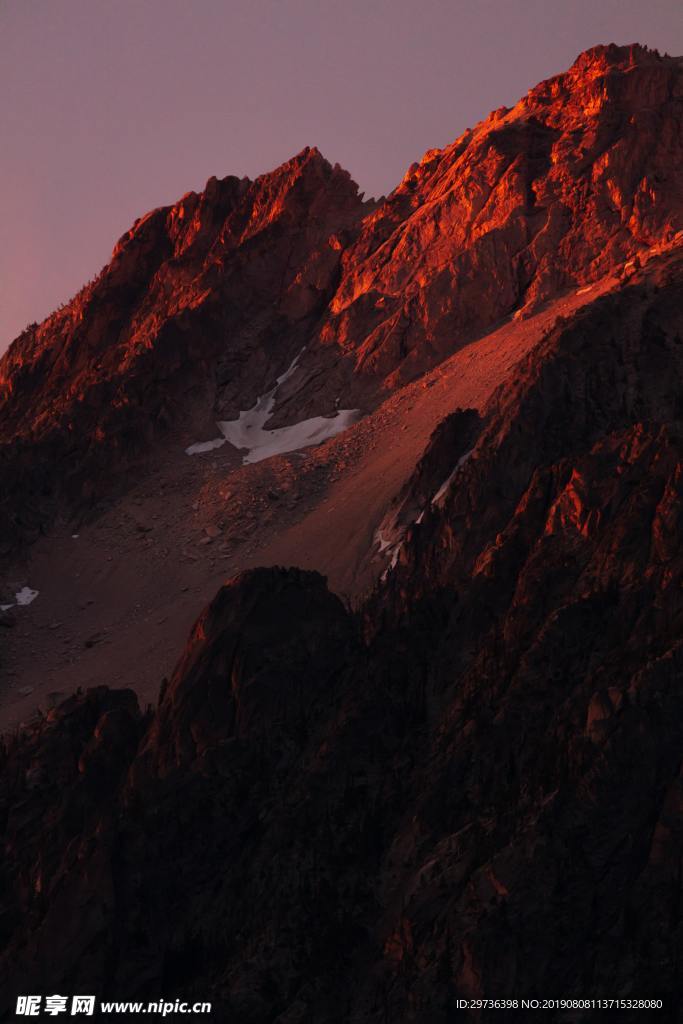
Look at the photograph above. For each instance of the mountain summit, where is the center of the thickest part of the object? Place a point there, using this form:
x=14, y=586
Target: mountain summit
x=566, y=186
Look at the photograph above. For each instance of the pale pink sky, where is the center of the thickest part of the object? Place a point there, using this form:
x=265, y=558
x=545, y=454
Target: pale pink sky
x=111, y=107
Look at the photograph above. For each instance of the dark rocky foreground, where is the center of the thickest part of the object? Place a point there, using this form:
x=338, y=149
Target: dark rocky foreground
x=471, y=786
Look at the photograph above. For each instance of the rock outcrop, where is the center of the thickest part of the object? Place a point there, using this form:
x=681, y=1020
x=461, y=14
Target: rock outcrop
x=575, y=180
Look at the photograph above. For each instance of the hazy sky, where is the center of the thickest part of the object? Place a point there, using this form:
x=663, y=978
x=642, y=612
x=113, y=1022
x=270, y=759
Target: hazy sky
x=111, y=107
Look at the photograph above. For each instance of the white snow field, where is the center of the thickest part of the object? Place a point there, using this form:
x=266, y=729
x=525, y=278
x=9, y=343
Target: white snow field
x=247, y=431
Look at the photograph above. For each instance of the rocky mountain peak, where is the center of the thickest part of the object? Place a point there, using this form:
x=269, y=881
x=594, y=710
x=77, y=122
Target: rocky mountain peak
x=206, y=302
x=568, y=185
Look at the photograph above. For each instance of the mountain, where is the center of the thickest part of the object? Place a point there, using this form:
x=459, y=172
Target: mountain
x=204, y=302
x=463, y=780
x=192, y=292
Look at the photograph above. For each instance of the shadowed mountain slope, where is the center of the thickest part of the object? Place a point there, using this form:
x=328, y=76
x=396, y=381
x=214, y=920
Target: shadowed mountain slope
x=470, y=788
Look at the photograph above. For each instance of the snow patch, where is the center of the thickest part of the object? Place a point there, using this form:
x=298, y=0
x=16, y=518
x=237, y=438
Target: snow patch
x=205, y=446
x=247, y=431
x=22, y=598
x=446, y=485
x=444, y=489
x=392, y=548
x=394, y=559
x=381, y=540
x=390, y=544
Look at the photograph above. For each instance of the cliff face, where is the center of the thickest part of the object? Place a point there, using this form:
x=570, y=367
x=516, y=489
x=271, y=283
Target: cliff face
x=570, y=183
x=470, y=785
x=204, y=303
x=184, y=288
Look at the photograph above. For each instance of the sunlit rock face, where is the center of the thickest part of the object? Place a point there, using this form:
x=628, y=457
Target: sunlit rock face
x=567, y=185
x=206, y=302
x=200, y=308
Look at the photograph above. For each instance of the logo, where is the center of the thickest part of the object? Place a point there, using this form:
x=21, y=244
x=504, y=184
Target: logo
x=30, y=1006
